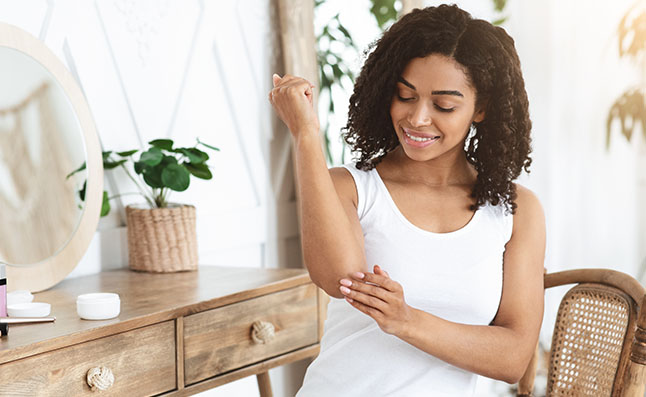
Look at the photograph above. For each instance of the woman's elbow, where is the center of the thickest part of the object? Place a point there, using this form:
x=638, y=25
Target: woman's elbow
x=513, y=377
x=515, y=371
x=329, y=283
x=330, y=287
x=507, y=375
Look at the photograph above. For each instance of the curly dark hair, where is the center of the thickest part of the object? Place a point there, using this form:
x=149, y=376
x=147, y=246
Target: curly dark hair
x=498, y=147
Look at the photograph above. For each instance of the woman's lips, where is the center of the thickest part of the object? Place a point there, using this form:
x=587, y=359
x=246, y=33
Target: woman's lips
x=419, y=139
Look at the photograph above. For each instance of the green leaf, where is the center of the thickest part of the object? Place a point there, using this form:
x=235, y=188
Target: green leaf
x=152, y=177
x=168, y=160
x=338, y=73
x=105, y=205
x=79, y=169
x=165, y=144
x=127, y=153
x=176, y=177
x=152, y=156
x=346, y=33
x=208, y=146
x=108, y=165
x=82, y=191
x=153, y=174
x=195, y=156
x=106, y=154
x=499, y=21
x=199, y=170
x=499, y=5
x=139, y=167
x=384, y=12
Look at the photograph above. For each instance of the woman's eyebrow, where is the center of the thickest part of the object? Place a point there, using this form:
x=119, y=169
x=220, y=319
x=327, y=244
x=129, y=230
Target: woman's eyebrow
x=443, y=92
x=456, y=93
x=407, y=84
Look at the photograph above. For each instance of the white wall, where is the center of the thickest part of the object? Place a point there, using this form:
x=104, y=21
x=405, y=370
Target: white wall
x=183, y=69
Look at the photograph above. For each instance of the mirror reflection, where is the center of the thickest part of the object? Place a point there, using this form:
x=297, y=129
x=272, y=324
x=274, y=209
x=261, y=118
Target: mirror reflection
x=40, y=144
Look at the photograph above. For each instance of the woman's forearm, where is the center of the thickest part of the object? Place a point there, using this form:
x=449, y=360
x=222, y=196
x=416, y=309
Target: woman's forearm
x=492, y=351
x=330, y=248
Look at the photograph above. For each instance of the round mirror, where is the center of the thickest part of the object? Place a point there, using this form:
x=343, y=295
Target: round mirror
x=46, y=132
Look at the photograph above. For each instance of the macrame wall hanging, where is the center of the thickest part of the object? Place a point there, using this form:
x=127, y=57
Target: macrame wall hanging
x=38, y=208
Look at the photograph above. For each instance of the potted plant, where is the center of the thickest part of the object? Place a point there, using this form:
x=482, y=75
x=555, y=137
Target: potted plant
x=161, y=235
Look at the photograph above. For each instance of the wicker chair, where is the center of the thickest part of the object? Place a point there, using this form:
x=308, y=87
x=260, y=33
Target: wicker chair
x=599, y=340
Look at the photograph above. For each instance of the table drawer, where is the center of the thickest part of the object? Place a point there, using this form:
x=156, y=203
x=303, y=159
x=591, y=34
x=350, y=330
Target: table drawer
x=222, y=339
x=142, y=362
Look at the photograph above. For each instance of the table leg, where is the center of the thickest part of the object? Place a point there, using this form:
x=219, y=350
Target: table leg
x=264, y=384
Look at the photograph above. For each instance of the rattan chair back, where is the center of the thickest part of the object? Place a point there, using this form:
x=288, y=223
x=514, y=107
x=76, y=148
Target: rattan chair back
x=594, y=336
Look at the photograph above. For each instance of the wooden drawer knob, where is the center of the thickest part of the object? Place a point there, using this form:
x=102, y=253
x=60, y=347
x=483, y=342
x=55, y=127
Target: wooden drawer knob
x=100, y=378
x=262, y=332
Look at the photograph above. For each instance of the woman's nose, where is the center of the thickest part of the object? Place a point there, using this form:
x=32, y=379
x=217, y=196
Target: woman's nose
x=420, y=115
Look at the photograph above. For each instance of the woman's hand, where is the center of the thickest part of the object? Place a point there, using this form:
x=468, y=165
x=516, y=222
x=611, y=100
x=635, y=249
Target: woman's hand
x=378, y=296
x=292, y=98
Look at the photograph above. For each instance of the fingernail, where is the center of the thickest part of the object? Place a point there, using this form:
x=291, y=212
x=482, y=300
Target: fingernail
x=346, y=282
x=359, y=275
x=349, y=299
x=344, y=290
x=276, y=75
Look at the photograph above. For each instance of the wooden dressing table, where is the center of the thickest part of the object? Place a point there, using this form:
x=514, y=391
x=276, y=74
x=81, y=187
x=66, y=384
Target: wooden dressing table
x=177, y=334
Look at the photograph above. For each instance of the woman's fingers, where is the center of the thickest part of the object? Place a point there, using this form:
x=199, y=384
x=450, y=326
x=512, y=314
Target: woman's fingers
x=292, y=98
x=381, y=280
x=278, y=80
x=290, y=86
x=378, y=270
x=369, y=310
x=349, y=287
x=364, y=298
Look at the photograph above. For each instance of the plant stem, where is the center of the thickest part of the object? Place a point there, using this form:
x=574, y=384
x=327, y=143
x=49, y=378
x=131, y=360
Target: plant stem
x=146, y=194
x=125, y=194
x=164, y=194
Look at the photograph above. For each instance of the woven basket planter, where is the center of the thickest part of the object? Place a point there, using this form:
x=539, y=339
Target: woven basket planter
x=162, y=240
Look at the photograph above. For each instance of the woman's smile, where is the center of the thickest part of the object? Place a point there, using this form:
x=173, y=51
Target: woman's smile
x=419, y=139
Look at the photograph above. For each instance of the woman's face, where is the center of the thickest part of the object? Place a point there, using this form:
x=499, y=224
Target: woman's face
x=433, y=108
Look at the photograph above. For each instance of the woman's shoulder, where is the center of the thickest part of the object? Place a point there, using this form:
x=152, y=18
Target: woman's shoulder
x=529, y=211
x=526, y=199
x=345, y=173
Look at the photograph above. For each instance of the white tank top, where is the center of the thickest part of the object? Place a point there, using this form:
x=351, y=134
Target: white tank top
x=456, y=276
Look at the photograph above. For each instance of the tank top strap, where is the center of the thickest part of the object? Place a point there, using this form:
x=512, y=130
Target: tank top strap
x=498, y=218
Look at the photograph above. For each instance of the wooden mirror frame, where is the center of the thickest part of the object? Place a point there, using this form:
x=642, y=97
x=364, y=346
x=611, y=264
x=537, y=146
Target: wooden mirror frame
x=45, y=274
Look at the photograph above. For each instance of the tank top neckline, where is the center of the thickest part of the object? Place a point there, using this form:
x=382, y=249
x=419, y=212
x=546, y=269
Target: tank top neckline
x=384, y=189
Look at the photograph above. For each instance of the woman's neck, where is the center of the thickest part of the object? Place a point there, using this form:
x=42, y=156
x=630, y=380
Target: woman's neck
x=449, y=169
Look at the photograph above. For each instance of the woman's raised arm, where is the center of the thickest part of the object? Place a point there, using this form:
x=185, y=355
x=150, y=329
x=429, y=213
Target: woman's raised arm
x=331, y=236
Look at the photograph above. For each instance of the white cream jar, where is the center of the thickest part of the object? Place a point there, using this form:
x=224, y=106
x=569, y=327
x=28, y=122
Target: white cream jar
x=98, y=306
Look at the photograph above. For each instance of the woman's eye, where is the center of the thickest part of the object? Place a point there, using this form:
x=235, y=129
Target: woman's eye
x=438, y=107
x=441, y=109
x=404, y=99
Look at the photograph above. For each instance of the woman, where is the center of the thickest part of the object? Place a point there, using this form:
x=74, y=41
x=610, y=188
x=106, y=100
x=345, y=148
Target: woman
x=439, y=120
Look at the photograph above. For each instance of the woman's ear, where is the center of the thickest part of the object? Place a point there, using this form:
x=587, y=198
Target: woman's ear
x=479, y=116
